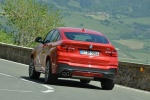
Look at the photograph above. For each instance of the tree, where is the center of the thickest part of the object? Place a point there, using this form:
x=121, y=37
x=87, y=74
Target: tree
x=5, y=37
x=29, y=19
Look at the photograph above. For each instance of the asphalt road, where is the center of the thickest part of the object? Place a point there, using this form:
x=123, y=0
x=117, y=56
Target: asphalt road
x=15, y=85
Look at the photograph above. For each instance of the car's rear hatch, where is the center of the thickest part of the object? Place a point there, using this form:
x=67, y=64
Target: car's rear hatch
x=88, y=50
x=89, y=54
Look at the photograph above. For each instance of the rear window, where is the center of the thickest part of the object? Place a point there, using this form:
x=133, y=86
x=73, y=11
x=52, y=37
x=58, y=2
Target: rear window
x=86, y=37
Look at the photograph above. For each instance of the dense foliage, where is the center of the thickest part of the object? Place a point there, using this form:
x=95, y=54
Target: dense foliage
x=5, y=37
x=119, y=20
x=129, y=8
x=28, y=19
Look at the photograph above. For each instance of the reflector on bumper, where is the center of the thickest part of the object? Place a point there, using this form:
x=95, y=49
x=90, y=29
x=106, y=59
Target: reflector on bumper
x=87, y=74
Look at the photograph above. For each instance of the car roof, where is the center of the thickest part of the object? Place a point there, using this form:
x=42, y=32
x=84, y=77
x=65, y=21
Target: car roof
x=82, y=30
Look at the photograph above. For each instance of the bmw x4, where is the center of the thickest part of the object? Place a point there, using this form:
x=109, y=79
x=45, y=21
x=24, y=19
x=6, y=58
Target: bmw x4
x=78, y=53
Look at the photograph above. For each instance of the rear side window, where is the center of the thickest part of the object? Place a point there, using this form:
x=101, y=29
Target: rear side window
x=86, y=37
x=55, y=36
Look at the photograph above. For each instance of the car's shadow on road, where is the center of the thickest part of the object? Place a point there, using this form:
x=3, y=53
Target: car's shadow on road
x=65, y=82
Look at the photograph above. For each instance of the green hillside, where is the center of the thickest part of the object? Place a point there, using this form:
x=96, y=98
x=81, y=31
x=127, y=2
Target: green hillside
x=125, y=22
x=125, y=19
x=134, y=8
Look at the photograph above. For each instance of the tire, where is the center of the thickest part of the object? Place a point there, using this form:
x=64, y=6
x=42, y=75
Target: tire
x=49, y=77
x=85, y=81
x=107, y=84
x=32, y=73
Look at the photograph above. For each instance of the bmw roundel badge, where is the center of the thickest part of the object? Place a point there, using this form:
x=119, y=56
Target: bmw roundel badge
x=91, y=47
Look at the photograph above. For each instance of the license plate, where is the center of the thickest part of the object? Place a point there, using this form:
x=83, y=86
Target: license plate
x=90, y=53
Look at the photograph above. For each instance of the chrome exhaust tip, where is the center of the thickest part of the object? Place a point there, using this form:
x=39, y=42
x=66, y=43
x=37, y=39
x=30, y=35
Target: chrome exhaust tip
x=65, y=73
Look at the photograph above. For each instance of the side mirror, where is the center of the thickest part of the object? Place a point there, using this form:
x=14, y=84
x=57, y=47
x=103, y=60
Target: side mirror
x=38, y=39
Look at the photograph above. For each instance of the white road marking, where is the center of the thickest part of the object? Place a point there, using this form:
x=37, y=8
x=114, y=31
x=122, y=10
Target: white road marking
x=137, y=90
x=14, y=62
x=5, y=75
x=27, y=81
x=50, y=89
x=15, y=90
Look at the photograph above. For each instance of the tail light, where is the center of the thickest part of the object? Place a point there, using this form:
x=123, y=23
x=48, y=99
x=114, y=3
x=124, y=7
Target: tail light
x=112, y=53
x=71, y=49
x=62, y=48
x=65, y=48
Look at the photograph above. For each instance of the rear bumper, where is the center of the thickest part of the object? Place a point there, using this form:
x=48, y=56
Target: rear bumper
x=76, y=70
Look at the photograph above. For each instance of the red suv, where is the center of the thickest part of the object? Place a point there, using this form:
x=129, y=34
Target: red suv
x=75, y=53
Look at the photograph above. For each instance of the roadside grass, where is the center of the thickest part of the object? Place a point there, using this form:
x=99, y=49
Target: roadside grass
x=74, y=3
x=79, y=20
x=139, y=61
x=97, y=17
x=120, y=27
x=138, y=57
x=132, y=43
x=112, y=27
x=145, y=21
x=120, y=46
x=143, y=56
x=132, y=55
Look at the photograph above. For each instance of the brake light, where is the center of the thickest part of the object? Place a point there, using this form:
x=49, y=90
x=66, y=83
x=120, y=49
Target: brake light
x=65, y=48
x=70, y=49
x=83, y=30
x=62, y=48
x=112, y=53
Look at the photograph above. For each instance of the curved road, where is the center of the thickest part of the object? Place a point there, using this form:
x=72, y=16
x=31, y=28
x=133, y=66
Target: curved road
x=15, y=85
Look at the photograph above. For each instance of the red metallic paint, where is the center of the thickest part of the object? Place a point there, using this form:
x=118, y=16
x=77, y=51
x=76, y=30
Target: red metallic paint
x=67, y=52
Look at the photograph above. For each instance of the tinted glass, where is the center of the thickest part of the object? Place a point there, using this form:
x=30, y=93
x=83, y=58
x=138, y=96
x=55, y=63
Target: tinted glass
x=86, y=37
x=55, y=36
x=48, y=37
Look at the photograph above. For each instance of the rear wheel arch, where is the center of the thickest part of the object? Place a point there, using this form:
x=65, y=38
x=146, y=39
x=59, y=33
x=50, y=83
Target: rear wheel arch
x=32, y=56
x=48, y=58
x=49, y=77
x=33, y=74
